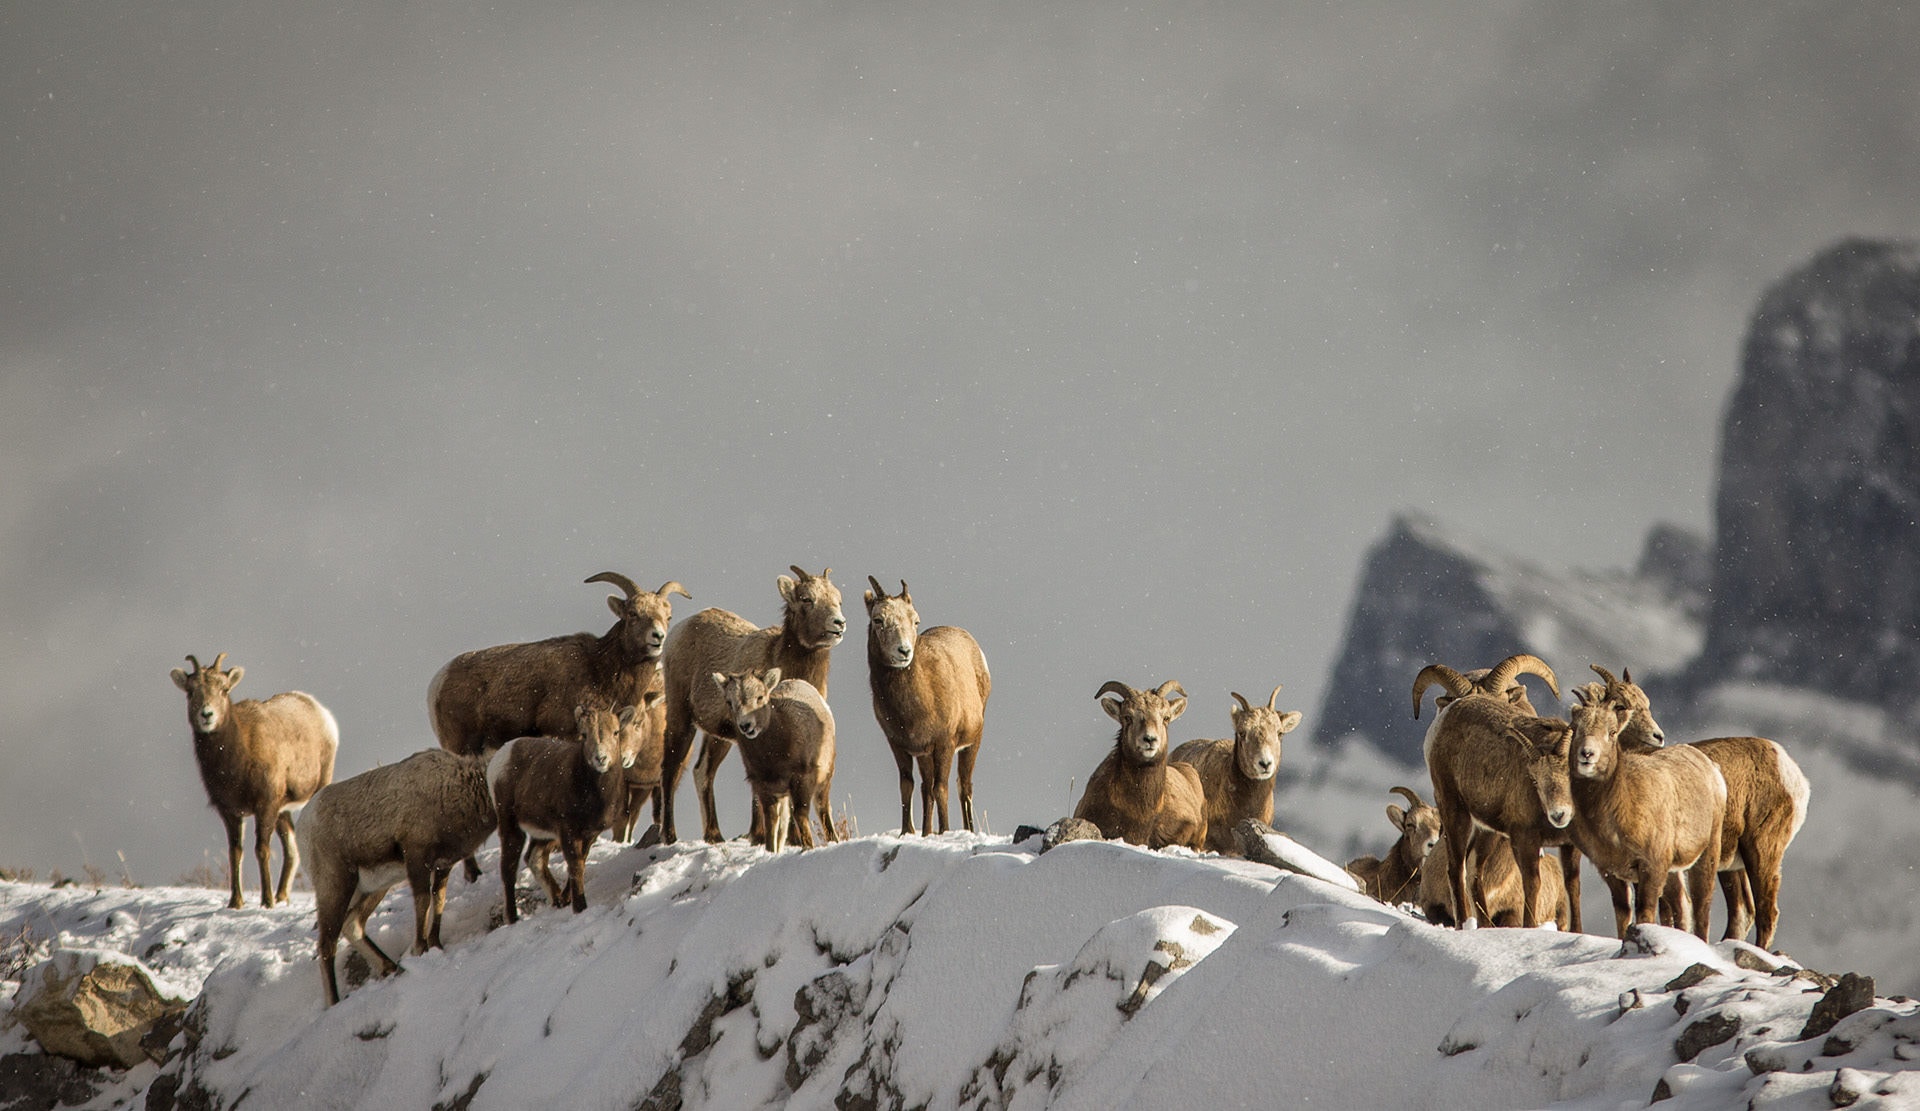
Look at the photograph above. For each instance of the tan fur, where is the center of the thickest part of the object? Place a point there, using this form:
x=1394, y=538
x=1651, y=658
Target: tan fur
x=482, y=699
x=1487, y=773
x=1136, y=794
x=715, y=640
x=643, y=778
x=264, y=759
x=1641, y=814
x=1493, y=862
x=787, y=745
x=1397, y=878
x=1237, y=772
x=931, y=708
x=421, y=815
x=561, y=791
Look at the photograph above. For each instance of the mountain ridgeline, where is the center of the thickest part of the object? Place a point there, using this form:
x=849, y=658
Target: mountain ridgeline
x=1813, y=579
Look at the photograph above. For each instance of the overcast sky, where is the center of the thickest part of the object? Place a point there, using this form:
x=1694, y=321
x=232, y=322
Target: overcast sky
x=343, y=341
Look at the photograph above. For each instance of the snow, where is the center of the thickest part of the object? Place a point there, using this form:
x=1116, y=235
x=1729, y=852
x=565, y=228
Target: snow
x=961, y=971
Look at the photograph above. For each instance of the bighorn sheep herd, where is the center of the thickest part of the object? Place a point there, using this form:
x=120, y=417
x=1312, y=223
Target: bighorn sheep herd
x=554, y=742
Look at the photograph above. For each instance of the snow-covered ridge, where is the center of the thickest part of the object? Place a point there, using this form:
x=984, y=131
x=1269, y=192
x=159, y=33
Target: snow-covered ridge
x=962, y=971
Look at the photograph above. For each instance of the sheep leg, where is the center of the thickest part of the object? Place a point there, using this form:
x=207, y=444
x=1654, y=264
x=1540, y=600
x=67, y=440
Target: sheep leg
x=712, y=750
x=513, y=840
x=575, y=850
x=331, y=899
x=930, y=786
x=1526, y=854
x=941, y=761
x=471, y=865
x=1622, y=904
x=1458, y=828
x=1742, y=908
x=420, y=882
x=802, y=806
x=778, y=812
x=905, y=763
x=540, y=859
x=234, y=823
x=674, y=747
x=823, y=803
x=362, y=908
x=441, y=874
x=264, y=820
x=289, y=855
x=964, y=778
x=1570, y=879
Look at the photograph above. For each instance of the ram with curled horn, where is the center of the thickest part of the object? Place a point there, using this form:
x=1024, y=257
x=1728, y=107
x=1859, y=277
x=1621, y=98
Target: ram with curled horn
x=1137, y=793
x=930, y=693
x=1237, y=772
x=1501, y=679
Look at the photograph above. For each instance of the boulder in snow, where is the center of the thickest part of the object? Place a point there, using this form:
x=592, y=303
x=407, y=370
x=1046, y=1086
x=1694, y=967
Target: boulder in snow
x=93, y=1006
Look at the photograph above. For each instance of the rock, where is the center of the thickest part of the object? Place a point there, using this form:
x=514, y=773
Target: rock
x=93, y=1006
x=1704, y=1034
x=37, y=1082
x=1070, y=829
x=1851, y=993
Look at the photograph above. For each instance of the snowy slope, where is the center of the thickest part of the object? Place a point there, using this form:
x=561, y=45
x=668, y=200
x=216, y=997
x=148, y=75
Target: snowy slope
x=961, y=971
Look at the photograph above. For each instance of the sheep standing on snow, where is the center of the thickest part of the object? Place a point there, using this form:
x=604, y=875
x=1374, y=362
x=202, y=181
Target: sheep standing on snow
x=363, y=835
x=1237, y=772
x=930, y=696
x=787, y=746
x=260, y=758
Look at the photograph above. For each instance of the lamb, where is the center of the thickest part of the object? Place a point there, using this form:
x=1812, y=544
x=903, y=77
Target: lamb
x=482, y=699
x=1236, y=773
x=930, y=696
x=787, y=745
x=1641, y=814
x=1501, y=880
x=1486, y=773
x=260, y=758
x=1136, y=793
x=714, y=640
x=564, y=791
x=1393, y=879
x=1767, y=796
x=363, y=835
x=643, y=778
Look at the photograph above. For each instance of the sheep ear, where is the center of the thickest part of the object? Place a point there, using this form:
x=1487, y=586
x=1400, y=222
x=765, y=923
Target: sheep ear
x=773, y=677
x=180, y=678
x=1397, y=816
x=1515, y=693
x=870, y=599
x=617, y=604
x=652, y=699
x=627, y=714
x=233, y=676
x=1112, y=707
x=1289, y=721
x=787, y=586
x=719, y=680
x=1175, y=708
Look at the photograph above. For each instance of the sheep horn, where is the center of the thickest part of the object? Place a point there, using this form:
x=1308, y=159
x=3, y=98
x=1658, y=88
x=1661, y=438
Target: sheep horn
x=1114, y=686
x=194, y=662
x=1504, y=673
x=1272, y=698
x=1412, y=797
x=1241, y=699
x=795, y=568
x=878, y=590
x=1456, y=683
x=616, y=578
x=675, y=587
x=218, y=660
x=1174, y=685
x=1605, y=674
x=903, y=589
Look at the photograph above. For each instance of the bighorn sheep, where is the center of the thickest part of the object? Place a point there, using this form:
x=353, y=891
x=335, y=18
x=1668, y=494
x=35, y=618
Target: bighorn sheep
x=1485, y=773
x=643, y=778
x=564, y=791
x=1236, y=773
x=1396, y=878
x=1641, y=814
x=930, y=696
x=1767, y=796
x=1136, y=793
x=1501, y=680
x=1500, y=878
x=787, y=745
x=260, y=758
x=362, y=836
x=482, y=699
x=715, y=640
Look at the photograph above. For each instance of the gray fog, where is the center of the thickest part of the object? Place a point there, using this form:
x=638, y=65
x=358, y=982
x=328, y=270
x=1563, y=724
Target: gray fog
x=343, y=340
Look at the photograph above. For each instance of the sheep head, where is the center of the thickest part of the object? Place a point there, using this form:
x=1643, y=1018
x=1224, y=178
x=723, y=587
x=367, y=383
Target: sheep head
x=1502, y=679
x=208, y=700
x=1596, y=719
x=893, y=625
x=1257, y=731
x=1419, y=827
x=1642, y=730
x=813, y=612
x=643, y=616
x=1144, y=717
x=749, y=699
x=1544, y=744
x=604, y=736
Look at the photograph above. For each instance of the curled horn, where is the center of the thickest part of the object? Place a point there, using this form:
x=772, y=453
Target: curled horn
x=616, y=578
x=1456, y=683
x=1504, y=673
x=1605, y=674
x=674, y=587
x=1412, y=798
x=878, y=590
x=1173, y=685
x=1241, y=699
x=194, y=662
x=1114, y=686
x=1272, y=698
